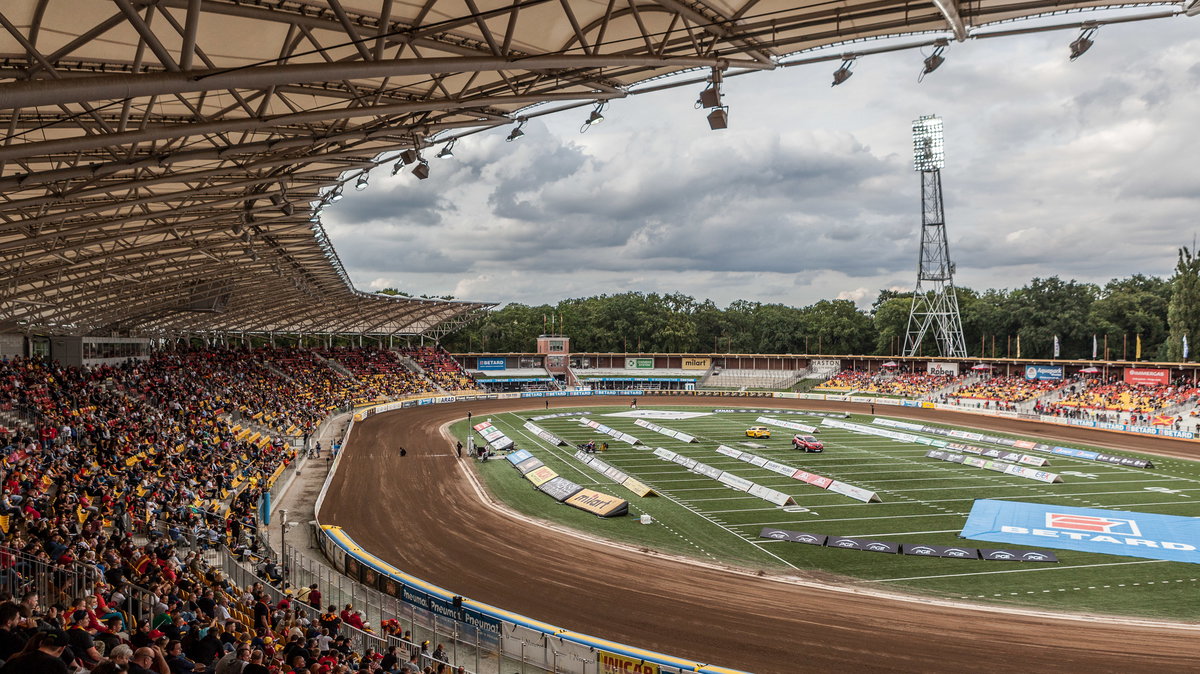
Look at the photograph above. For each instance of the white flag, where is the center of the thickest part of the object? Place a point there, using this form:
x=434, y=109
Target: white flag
x=1093, y=347
x=1056, y=346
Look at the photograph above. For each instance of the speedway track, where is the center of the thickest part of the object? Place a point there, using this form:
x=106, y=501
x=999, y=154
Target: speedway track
x=426, y=514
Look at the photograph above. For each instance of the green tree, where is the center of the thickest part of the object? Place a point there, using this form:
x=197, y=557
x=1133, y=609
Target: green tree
x=1183, y=311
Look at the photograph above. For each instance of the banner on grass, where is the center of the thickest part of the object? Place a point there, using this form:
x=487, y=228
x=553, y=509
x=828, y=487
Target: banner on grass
x=1112, y=532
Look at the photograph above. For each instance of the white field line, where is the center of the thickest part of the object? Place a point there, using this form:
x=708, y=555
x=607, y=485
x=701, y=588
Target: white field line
x=568, y=459
x=955, y=500
x=898, y=533
x=1042, y=568
x=1010, y=486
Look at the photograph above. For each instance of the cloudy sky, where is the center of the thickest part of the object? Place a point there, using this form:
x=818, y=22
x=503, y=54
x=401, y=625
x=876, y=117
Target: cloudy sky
x=1087, y=170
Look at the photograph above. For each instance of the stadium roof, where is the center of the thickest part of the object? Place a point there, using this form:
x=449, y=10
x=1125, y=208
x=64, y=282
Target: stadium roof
x=162, y=158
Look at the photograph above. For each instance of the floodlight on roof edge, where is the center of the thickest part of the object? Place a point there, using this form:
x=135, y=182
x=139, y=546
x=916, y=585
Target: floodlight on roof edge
x=336, y=195
x=595, y=118
x=719, y=118
x=843, y=73
x=421, y=171
x=517, y=132
x=447, y=150
x=934, y=60
x=1084, y=42
x=363, y=180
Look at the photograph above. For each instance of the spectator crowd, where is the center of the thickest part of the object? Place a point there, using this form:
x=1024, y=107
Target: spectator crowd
x=108, y=473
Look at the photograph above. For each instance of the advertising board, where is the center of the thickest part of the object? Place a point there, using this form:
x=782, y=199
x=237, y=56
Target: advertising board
x=1043, y=372
x=639, y=363
x=942, y=369
x=492, y=364
x=599, y=504
x=1146, y=375
x=1112, y=532
x=696, y=363
x=615, y=663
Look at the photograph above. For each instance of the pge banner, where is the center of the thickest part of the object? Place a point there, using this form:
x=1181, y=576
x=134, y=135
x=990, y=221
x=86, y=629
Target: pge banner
x=1039, y=372
x=1146, y=375
x=1112, y=532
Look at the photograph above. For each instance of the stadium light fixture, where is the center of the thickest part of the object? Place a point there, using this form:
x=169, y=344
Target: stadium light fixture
x=516, y=133
x=843, y=73
x=409, y=156
x=1084, y=42
x=928, y=144
x=336, y=195
x=719, y=118
x=422, y=170
x=361, y=183
x=934, y=60
x=284, y=207
x=711, y=97
x=595, y=118
x=448, y=150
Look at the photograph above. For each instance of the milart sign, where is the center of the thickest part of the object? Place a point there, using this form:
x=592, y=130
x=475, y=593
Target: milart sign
x=1113, y=532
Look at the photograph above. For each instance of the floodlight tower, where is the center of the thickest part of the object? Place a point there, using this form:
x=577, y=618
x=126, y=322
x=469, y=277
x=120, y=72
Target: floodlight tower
x=935, y=305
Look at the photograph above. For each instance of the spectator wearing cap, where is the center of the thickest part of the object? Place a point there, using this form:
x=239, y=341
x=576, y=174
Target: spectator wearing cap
x=42, y=655
x=82, y=641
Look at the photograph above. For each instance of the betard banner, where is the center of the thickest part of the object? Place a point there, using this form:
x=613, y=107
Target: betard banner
x=614, y=663
x=1111, y=532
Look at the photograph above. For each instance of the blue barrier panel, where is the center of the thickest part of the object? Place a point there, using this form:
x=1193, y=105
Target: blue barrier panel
x=1110, y=532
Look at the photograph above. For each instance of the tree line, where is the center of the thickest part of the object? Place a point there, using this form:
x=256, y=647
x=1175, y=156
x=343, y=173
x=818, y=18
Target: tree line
x=1111, y=318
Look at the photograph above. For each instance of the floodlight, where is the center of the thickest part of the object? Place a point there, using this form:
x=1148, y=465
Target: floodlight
x=284, y=207
x=934, y=60
x=1083, y=42
x=516, y=133
x=315, y=217
x=361, y=183
x=842, y=74
x=422, y=170
x=409, y=156
x=928, y=144
x=336, y=195
x=709, y=98
x=448, y=150
x=719, y=118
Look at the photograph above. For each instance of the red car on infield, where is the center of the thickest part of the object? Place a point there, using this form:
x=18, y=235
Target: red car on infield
x=807, y=443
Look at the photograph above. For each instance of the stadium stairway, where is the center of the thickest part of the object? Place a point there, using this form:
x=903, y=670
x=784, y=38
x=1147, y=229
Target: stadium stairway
x=336, y=366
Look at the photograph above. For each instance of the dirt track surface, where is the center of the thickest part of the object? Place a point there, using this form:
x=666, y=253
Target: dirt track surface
x=423, y=514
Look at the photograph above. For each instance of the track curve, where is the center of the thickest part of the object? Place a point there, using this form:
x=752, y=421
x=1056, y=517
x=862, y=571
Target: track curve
x=424, y=514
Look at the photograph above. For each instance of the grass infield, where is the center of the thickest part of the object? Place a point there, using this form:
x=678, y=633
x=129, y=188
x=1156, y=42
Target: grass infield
x=924, y=501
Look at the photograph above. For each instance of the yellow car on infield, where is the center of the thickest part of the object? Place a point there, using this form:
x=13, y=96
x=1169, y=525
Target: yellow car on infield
x=758, y=432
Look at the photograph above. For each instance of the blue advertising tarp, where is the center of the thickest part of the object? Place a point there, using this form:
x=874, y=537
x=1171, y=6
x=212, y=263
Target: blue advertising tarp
x=518, y=456
x=1111, y=532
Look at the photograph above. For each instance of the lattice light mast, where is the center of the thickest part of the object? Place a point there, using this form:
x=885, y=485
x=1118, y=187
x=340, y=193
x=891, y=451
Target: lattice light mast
x=935, y=305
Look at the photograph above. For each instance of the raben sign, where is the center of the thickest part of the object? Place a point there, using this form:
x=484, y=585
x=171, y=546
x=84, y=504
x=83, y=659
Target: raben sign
x=1112, y=532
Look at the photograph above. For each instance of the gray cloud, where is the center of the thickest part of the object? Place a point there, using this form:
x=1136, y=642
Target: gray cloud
x=1077, y=169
